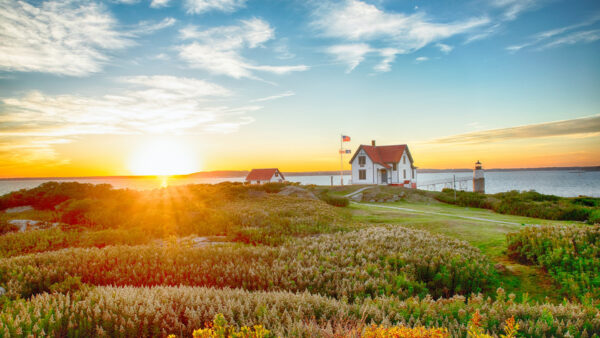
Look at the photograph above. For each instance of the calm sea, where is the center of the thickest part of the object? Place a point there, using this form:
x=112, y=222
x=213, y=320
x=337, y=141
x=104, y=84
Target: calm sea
x=561, y=183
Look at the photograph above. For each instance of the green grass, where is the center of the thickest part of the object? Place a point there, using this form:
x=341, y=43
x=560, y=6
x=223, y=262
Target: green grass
x=489, y=237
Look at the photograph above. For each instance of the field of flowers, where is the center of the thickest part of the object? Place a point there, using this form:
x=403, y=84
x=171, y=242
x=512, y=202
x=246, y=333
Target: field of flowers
x=159, y=311
x=570, y=254
x=358, y=264
x=296, y=266
x=22, y=243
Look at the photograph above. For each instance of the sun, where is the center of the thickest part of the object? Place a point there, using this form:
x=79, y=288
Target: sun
x=164, y=157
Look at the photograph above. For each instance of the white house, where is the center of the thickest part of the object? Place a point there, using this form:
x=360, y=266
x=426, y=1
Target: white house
x=384, y=165
x=259, y=176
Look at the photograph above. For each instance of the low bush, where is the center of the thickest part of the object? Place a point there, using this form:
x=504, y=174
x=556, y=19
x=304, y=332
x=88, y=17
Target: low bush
x=21, y=243
x=336, y=201
x=6, y=227
x=245, y=213
x=160, y=311
x=527, y=203
x=465, y=199
x=570, y=254
x=353, y=265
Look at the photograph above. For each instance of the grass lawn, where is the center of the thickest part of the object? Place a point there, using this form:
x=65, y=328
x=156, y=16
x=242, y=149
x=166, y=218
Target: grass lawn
x=489, y=237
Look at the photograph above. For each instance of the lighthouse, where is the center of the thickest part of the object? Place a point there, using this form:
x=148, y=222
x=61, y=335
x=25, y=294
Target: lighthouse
x=478, y=178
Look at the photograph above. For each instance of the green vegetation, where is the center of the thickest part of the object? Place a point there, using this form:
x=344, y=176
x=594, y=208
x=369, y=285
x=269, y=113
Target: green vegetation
x=249, y=214
x=528, y=203
x=128, y=263
x=366, y=263
x=336, y=201
x=570, y=254
x=159, y=311
x=16, y=244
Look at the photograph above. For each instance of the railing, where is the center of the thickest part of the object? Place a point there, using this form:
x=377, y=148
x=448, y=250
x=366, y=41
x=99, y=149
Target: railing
x=456, y=183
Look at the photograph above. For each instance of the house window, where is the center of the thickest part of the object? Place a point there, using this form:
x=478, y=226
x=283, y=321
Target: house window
x=362, y=161
x=404, y=173
x=362, y=174
x=404, y=159
x=276, y=175
x=395, y=166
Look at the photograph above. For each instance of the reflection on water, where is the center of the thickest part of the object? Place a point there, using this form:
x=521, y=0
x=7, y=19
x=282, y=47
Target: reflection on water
x=561, y=183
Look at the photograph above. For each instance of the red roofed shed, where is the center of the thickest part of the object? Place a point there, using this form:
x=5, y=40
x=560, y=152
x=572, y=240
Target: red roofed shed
x=259, y=176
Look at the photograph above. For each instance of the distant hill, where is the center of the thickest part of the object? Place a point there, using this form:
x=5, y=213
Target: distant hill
x=217, y=174
x=593, y=168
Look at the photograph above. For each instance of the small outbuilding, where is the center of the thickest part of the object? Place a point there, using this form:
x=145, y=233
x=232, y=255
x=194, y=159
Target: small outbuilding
x=260, y=176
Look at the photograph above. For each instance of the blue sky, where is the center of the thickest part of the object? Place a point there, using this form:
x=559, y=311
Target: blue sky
x=273, y=83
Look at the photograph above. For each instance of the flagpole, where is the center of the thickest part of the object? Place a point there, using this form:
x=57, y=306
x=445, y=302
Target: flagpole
x=341, y=160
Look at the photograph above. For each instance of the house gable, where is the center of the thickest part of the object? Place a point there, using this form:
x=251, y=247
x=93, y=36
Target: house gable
x=264, y=174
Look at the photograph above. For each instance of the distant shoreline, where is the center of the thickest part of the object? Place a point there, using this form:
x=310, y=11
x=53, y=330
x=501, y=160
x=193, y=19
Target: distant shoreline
x=243, y=173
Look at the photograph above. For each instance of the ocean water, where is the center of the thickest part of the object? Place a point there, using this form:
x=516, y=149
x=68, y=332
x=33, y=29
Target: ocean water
x=559, y=182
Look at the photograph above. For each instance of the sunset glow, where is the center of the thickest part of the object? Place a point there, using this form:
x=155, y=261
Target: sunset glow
x=511, y=83
x=163, y=158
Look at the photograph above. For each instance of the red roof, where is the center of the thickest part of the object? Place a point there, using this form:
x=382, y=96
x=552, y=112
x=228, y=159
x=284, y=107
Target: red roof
x=262, y=174
x=384, y=154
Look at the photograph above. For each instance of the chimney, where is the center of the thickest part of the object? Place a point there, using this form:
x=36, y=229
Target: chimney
x=373, y=143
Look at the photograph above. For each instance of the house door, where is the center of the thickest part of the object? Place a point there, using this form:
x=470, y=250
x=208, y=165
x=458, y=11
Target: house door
x=384, y=176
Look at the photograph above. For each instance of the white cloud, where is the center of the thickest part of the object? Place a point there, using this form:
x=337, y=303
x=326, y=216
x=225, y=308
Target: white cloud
x=149, y=104
x=159, y=3
x=389, y=55
x=444, y=48
x=149, y=27
x=572, y=38
x=421, y=59
x=356, y=21
x=63, y=37
x=283, y=50
x=201, y=6
x=514, y=8
x=218, y=50
x=350, y=54
x=575, y=37
x=275, y=97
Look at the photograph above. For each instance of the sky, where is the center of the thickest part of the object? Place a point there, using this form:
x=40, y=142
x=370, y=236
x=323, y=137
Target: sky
x=171, y=87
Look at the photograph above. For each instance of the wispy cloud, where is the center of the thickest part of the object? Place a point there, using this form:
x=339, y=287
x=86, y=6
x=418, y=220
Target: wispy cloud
x=202, y=6
x=513, y=8
x=59, y=37
x=421, y=59
x=364, y=24
x=274, y=97
x=218, y=50
x=150, y=104
x=149, y=27
x=350, y=54
x=159, y=3
x=573, y=38
x=444, y=48
x=584, y=125
x=557, y=37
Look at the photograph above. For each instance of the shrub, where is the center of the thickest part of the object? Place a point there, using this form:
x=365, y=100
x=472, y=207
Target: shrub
x=527, y=203
x=571, y=255
x=21, y=243
x=6, y=227
x=594, y=217
x=336, y=201
x=353, y=265
x=273, y=187
x=159, y=311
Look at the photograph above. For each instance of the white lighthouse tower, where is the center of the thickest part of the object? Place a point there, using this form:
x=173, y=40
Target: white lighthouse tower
x=478, y=178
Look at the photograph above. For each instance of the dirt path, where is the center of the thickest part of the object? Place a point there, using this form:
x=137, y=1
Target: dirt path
x=357, y=192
